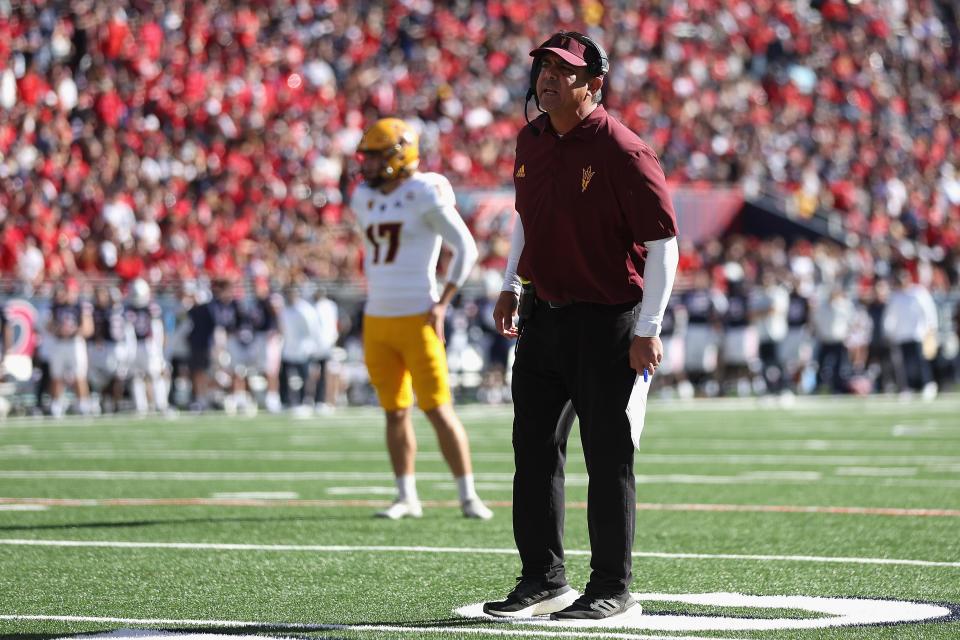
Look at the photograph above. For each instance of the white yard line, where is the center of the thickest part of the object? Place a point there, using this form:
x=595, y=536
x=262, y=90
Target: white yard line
x=217, y=546
x=745, y=478
x=877, y=472
x=296, y=626
x=314, y=503
x=810, y=459
x=256, y=495
x=878, y=404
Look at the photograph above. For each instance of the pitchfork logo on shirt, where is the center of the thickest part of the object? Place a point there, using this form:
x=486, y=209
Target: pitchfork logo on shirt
x=588, y=174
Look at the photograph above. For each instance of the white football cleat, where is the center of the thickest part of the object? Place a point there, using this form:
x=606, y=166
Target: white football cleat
x=402, y=509
x=474, y=508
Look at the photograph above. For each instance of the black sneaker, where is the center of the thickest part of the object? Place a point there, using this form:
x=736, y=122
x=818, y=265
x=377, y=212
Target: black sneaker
x=531, y=598
x=592, y=607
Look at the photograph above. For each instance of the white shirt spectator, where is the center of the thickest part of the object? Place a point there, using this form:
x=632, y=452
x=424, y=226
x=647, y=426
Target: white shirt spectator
x=301, y=331
x=8, y=89
x=31, y=262
x=770, y=304
x=910, y=316
x=832, y=319
x=119, y=215
x=148, y=234
x=67, y=93
x=329, y=332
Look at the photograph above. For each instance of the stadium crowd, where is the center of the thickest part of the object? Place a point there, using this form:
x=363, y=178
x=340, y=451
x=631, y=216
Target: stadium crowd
x=180, y=142
x=167, y=139
x=753, y=317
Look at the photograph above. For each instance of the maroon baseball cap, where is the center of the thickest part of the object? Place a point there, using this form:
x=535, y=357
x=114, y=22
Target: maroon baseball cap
x=571, y=50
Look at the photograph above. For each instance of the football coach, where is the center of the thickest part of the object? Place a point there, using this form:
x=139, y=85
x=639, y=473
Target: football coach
x=595, y=253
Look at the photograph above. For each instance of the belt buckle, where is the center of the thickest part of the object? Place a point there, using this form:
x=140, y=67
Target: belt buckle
x=557, y=305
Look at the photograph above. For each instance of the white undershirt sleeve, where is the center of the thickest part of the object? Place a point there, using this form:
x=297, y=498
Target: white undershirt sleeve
x=511, y=281
x=658, y=275
x=447, y=222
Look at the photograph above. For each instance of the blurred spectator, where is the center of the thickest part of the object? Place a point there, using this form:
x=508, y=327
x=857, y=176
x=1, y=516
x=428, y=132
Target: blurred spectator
x=185, y=137
x=324, y=379
x=300, y=323
x=946, y=363
x=879, y=360
x=910, y=324
x=769, y=306
x=181, y=141
x=832, y=321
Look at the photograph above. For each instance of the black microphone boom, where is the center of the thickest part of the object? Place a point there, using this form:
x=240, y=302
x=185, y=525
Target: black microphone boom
x=531, y=93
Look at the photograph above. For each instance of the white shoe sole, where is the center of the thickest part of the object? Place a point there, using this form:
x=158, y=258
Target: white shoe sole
x=477, y=511
x=397, y=513
x=544, y=608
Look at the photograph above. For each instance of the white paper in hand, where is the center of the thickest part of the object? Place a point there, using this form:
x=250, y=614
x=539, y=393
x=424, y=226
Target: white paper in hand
x=637, y=408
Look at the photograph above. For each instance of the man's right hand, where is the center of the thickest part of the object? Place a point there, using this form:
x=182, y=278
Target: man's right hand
x=504, y=312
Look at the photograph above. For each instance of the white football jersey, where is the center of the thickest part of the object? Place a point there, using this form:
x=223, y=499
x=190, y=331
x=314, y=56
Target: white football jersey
x=403, y=232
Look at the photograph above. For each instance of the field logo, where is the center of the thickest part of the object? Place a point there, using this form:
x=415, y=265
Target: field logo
x=22, y=317
x=827, y=612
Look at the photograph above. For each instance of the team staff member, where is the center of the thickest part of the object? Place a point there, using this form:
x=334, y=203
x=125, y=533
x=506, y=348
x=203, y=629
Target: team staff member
x=404, y=216
x=597, y=235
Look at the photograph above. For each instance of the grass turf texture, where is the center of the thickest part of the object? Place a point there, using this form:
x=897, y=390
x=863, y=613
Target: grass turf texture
x=839, y=453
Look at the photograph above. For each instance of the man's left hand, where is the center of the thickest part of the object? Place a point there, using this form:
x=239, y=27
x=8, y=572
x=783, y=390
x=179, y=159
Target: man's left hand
x=435, y=318
x=645, y=353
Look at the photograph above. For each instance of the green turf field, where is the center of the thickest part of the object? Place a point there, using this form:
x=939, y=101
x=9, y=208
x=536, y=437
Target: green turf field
x=263, y=526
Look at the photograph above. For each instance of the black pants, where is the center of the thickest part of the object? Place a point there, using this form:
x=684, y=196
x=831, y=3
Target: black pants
x=916, y=370
x=772, y=367
x=576, y=356
x=833, y=365
x=289, y=369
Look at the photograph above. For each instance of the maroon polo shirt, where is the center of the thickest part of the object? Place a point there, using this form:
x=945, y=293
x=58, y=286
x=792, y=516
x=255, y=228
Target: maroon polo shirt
x=588, y=201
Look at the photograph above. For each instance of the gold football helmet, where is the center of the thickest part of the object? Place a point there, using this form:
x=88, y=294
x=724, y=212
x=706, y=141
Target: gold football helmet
x=395, y=143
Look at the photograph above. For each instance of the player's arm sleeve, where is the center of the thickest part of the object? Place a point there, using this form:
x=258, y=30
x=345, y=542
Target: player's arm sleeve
x=658, y=276
x=511, y=281
x=447, y=222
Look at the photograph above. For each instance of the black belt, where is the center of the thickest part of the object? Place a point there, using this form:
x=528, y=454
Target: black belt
x=617, y=308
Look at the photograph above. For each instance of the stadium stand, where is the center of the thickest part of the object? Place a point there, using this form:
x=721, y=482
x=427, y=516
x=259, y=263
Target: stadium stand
x=177, y=141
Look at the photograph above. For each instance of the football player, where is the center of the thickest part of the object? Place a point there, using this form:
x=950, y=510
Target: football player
x=405, y=216
x=146, y=324
x=107, y=350
x=705, y=307
x=232, y=343
x=264, y=353
x=70, y=324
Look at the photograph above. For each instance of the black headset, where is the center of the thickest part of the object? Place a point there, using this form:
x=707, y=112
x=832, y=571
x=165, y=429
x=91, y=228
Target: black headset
x=599, y=66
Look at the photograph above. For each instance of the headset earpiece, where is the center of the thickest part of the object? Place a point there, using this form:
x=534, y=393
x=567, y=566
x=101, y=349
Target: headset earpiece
x=600, y=65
